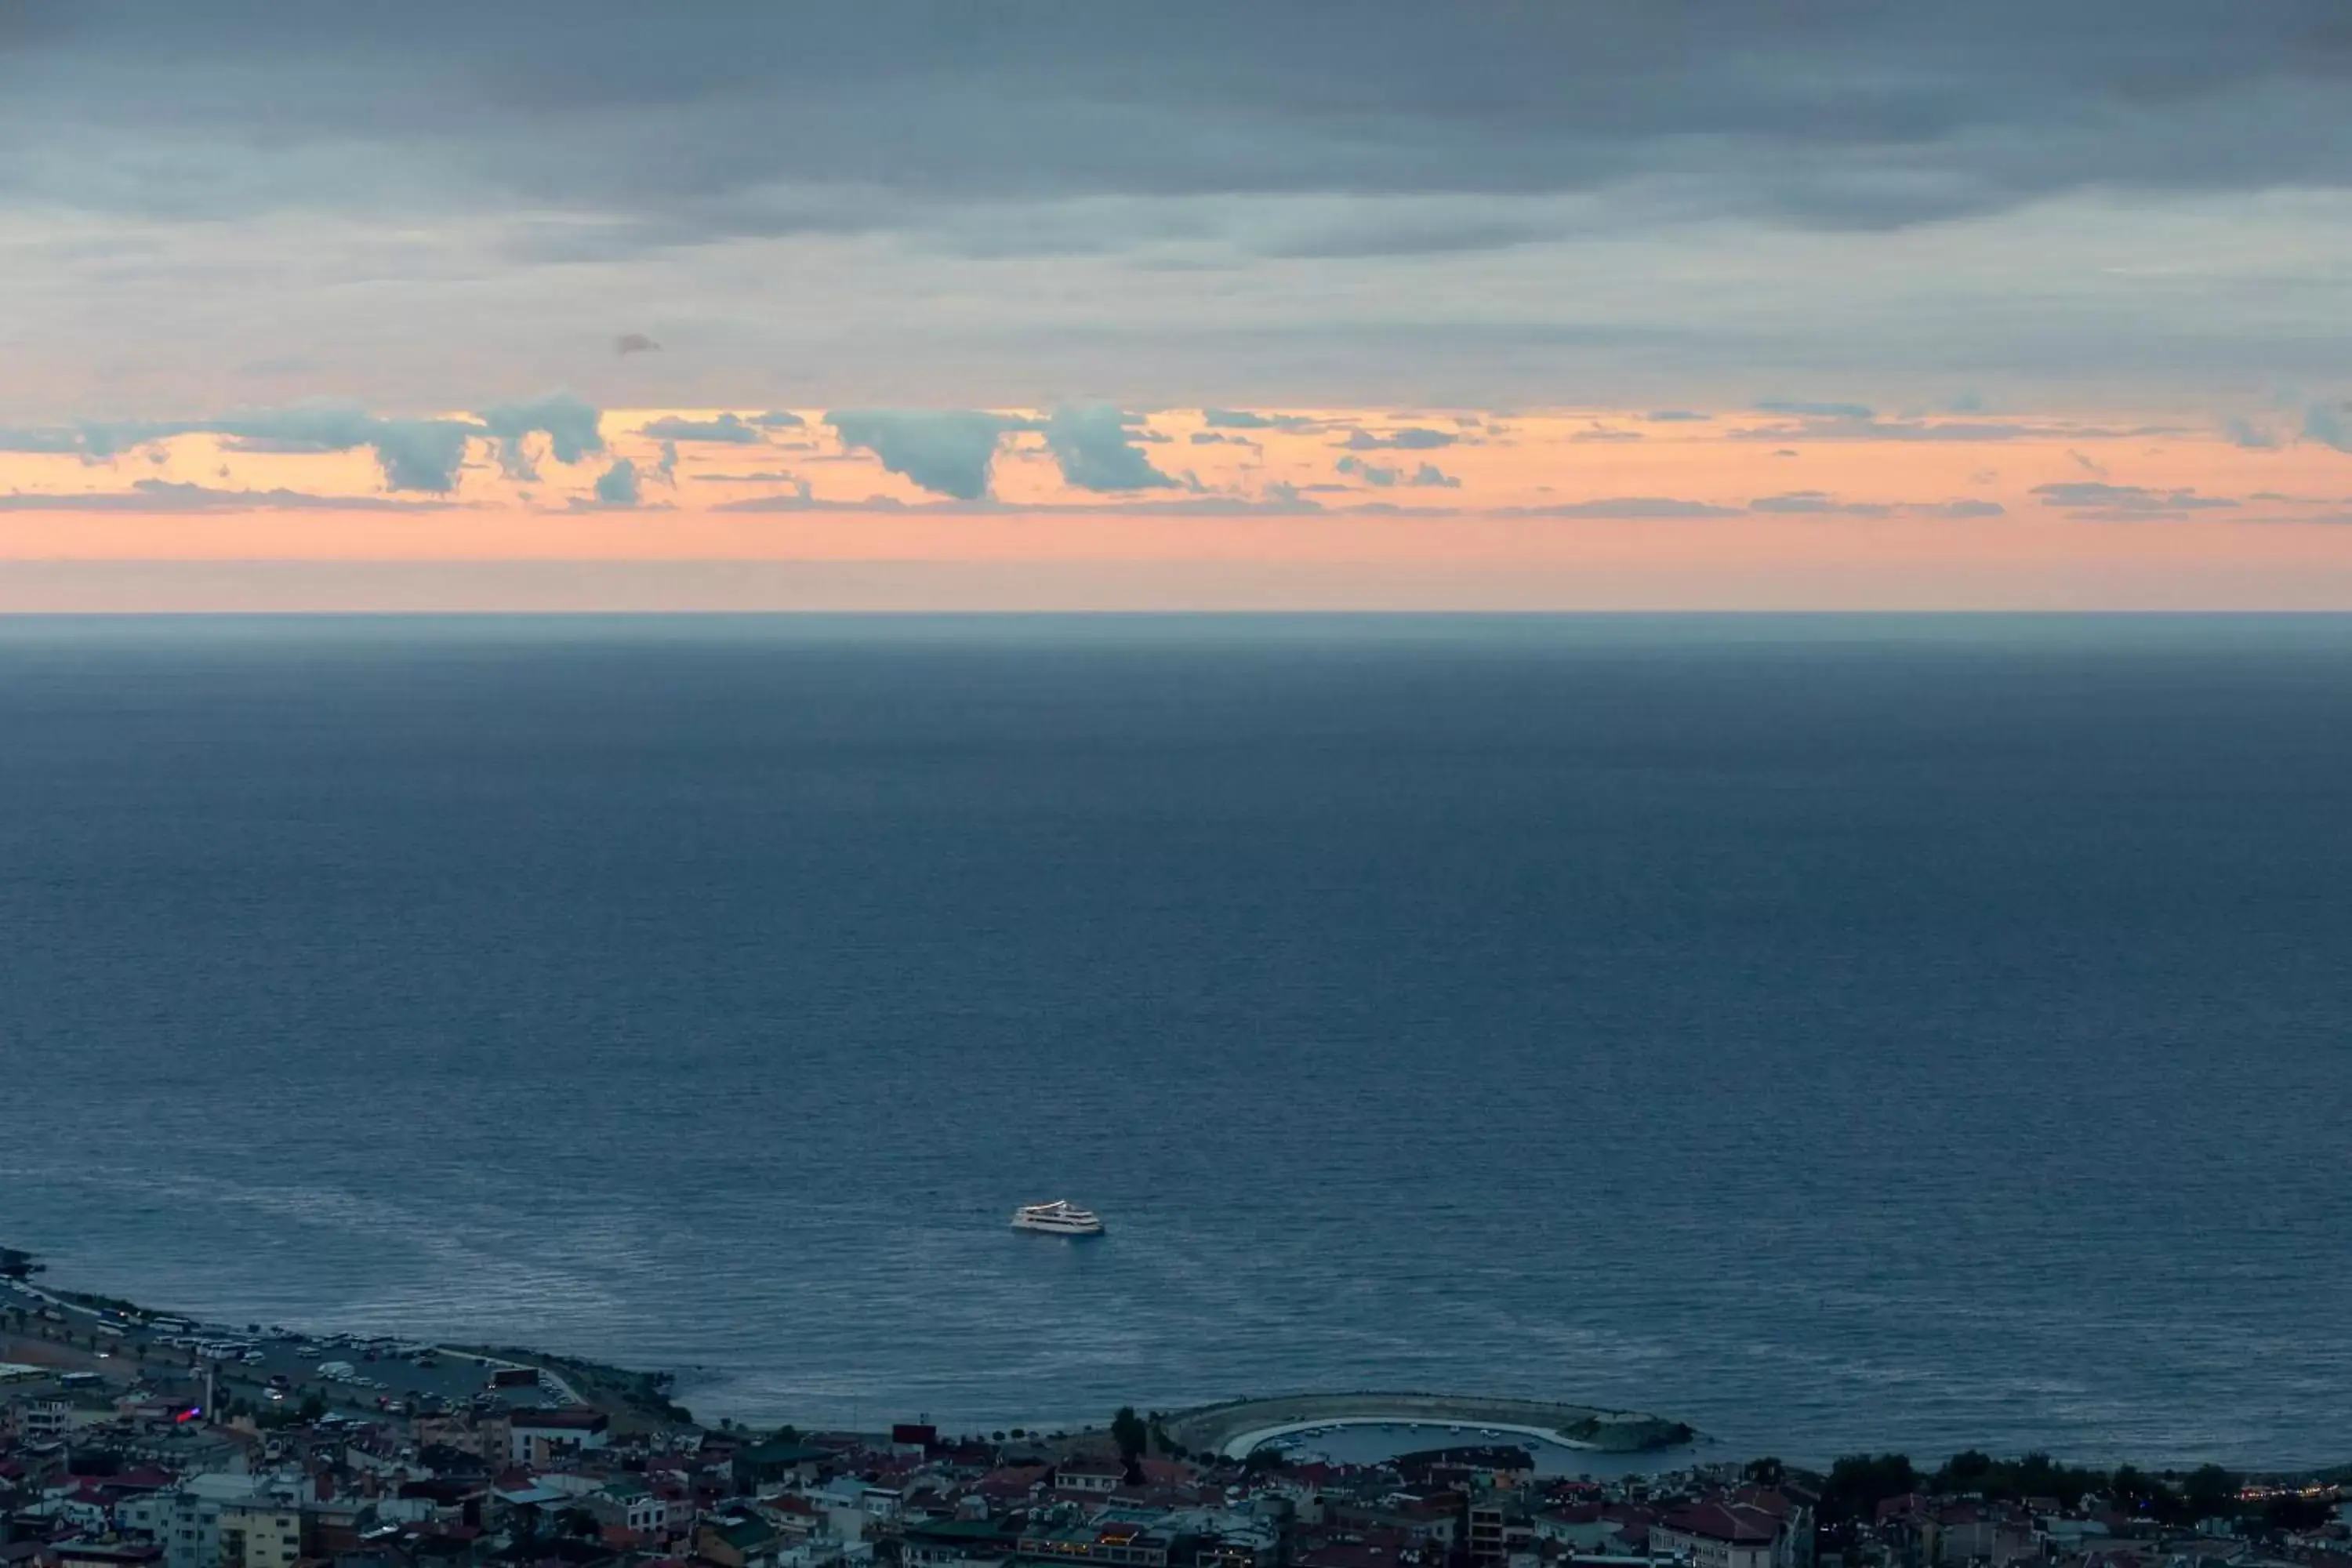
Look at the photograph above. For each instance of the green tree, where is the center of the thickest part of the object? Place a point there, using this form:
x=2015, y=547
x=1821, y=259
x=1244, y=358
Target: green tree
x=2290, y=1510
x=1966, y=1471
x=1858, y=1483
x=2208, y=1491
x=1765, y=1472
x=1128, y=1431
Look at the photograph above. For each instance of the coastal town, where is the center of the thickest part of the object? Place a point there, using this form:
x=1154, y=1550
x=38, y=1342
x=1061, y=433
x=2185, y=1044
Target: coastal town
x=138, y=1439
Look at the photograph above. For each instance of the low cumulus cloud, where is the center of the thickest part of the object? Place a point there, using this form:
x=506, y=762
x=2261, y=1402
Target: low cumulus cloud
x=165, y=496
x=949, y=451
x=2098, y=501
x=1409, y=439
x=1863, y=427
x=1626, y=507
x=1821, y=503
x=1095, y=444
x=420, y=455
x=778, y=419
x=619, y=485
x=1245, y=419
x=2240, y=431
x=1428, y=476
x=574, y=429
x=629, y=343
x=2326, y=425
x=415, y=455
x=728, y=429
x=1853, y=422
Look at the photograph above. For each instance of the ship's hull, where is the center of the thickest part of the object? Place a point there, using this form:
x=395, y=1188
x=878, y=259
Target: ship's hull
x=1056, y=1227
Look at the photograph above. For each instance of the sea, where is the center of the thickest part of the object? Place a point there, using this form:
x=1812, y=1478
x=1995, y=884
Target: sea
x=1839, y=1033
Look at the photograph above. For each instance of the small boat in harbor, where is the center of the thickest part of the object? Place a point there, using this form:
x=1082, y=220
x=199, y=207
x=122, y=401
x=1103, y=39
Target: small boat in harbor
x=1057, y=1218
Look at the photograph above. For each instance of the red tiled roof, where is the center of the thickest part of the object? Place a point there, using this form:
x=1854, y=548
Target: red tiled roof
x=1722, y=1522
x=1773, y=1502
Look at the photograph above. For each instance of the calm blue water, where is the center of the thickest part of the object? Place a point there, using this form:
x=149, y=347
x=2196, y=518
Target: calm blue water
x=1835, y=1033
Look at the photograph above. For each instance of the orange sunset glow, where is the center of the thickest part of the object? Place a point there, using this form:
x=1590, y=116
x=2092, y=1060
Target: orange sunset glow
x=1583, y=508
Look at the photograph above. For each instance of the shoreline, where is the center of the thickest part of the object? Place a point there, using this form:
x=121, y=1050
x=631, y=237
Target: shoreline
x=634, y=1399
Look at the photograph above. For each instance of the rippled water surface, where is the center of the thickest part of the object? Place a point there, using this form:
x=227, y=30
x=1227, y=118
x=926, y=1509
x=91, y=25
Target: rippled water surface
x=1835, y=1033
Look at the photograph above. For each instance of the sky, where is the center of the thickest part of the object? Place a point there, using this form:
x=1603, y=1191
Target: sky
x=1639, y=305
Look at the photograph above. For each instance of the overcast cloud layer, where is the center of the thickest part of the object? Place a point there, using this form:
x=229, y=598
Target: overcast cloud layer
x=2116, y=202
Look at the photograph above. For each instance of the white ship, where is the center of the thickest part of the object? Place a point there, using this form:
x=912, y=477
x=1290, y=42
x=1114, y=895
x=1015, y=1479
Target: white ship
x=1056, y=1218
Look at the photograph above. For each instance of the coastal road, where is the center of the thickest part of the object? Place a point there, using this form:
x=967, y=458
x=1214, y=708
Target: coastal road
x=61, y=1326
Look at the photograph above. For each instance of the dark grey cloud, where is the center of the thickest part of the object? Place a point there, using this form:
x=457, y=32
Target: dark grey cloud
x=1814, y=410
x=1824, y=113
x=1410, y=439
x=1094, y=444
x=778, y=419
x=629, y=343
x=52, y=440
x=728, y=429
x=951, y=451
x=1407, y=233
x=1674, y=416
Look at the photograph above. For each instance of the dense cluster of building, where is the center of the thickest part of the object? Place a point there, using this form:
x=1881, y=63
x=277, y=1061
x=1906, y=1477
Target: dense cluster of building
x=104, y=1473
